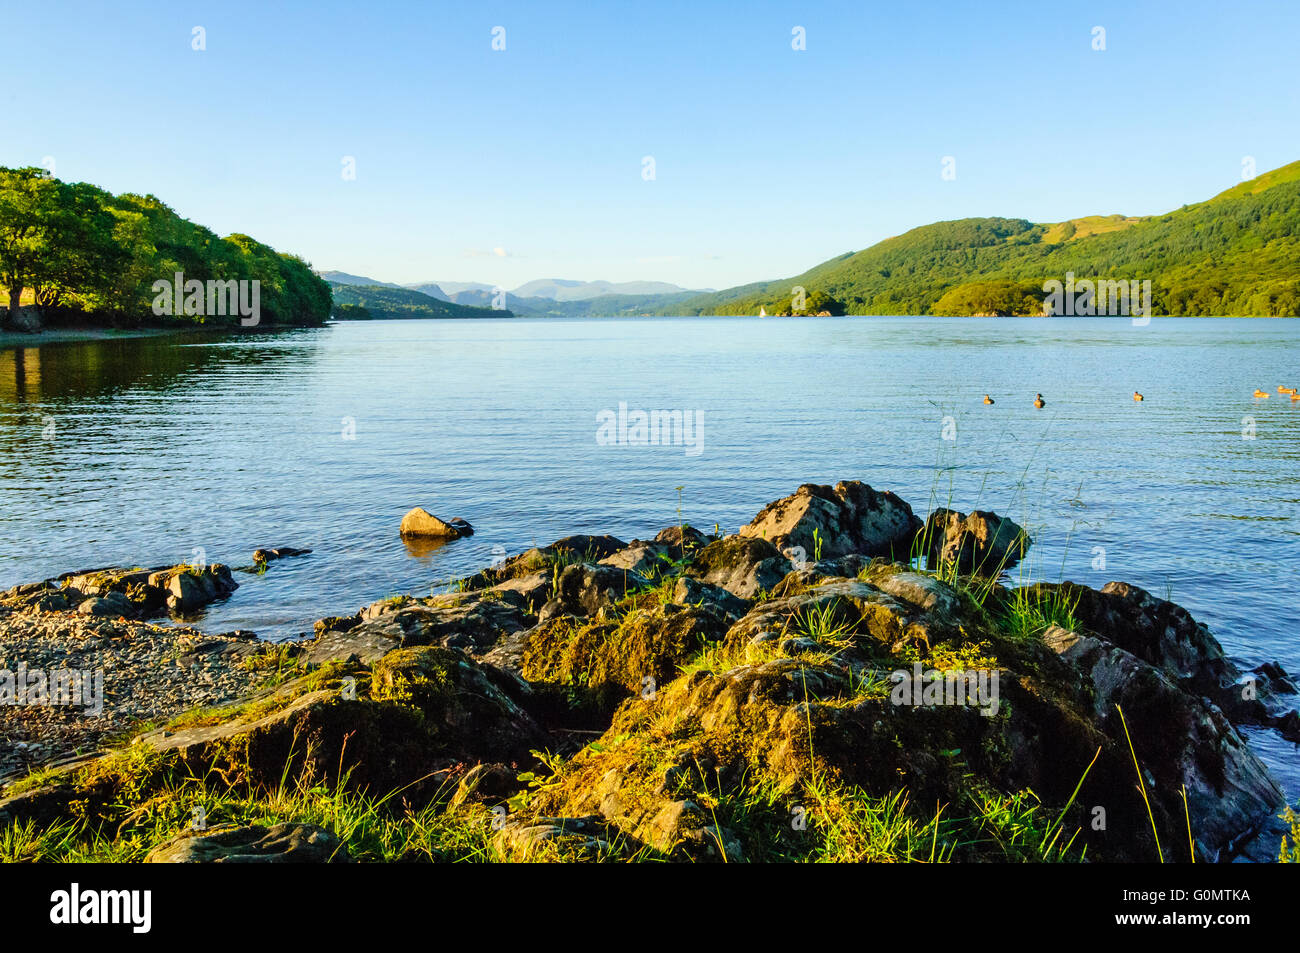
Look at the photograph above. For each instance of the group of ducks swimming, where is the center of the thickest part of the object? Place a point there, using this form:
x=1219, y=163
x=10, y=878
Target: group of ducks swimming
x=1293, y=392
x=1039, y=402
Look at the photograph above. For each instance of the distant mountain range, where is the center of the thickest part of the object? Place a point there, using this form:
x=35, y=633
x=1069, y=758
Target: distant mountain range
x=1237, y=253
x=545, y=296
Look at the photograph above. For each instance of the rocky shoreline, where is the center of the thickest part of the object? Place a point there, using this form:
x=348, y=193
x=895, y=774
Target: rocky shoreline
x=837, y=667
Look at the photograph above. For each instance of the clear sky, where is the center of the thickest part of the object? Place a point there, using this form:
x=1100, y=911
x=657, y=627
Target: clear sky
x=503, y=166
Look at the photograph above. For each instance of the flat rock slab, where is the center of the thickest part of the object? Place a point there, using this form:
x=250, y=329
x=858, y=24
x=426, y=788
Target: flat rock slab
x=231, y=844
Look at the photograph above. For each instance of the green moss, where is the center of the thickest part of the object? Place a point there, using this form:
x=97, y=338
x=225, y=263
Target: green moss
x=605, y=662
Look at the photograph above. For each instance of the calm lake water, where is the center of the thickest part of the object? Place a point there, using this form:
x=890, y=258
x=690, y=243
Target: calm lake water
x=140, y=451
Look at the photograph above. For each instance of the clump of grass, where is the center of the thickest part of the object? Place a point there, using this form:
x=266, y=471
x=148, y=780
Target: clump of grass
x=819, y=624
x=370, y=828
x=277, y=661
x=1029, y=612
x=829, y=822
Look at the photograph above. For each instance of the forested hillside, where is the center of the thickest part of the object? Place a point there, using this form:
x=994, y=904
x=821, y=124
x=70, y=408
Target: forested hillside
x=359, y=302
x=74, y=248
x=1236, y=254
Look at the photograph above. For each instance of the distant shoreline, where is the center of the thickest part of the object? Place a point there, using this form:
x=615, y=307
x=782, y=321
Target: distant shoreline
x=16, y=339
x=77, y=334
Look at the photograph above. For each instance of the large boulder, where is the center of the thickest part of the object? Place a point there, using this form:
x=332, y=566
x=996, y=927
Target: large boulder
x=583, y=589
x=428, y=708
x=660, y=555
x=827, y=617
x=743, y=565
x=560, y=553
x=1179, y=740
x=644, y=558
x=471, y=708
x=689, y=591
x=473, y=622
x=982, y=542
x=606, y=662
x=850, y=517
x=1165, y=635
x=420, y=523
x=113, y=605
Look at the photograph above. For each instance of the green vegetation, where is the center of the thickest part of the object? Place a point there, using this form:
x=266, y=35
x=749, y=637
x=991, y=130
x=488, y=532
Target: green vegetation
x=86, y=253
x=1289, y=852
x=1232, y=255
x=360, y=302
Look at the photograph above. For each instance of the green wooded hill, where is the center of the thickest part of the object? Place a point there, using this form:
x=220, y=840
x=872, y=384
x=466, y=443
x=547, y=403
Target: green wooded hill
x=1235, y=254
x=361, y=302
x=83, y=253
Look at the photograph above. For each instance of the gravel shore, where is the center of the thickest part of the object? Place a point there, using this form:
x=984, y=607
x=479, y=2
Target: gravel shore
x=144, y=672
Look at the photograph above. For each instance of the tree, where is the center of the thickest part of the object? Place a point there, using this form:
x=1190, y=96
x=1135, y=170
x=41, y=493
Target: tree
x=820, y=301
x=75, y=243
x=28, y=207
x=81, y=253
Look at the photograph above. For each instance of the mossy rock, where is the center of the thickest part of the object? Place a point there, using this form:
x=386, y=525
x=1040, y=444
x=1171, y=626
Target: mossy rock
x=601, y=663
x=744, y=566
x=473, y=710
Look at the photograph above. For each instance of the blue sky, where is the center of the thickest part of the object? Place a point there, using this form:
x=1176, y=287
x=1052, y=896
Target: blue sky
x=504, y=166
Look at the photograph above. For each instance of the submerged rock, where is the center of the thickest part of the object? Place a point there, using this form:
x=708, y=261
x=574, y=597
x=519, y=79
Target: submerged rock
x=269, y=554
x=421, y=523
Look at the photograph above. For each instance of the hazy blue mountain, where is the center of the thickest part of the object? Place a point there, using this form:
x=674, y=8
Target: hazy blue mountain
x=343, y=278
x=565, y=289
x=446, y=289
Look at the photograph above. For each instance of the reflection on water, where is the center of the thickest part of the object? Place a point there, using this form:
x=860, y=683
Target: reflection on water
x=141, y=451
x=422, y=547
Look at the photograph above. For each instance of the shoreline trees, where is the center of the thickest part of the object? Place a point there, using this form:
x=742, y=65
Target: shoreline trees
x=84, y=251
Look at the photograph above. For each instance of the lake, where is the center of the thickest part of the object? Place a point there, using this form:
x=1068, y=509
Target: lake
x=141, y=451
